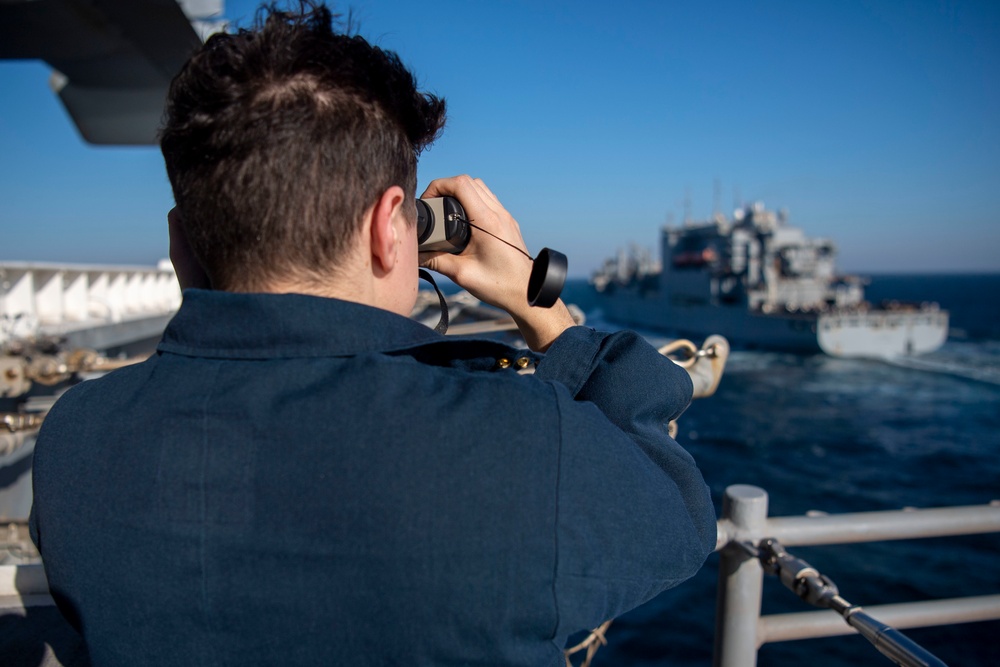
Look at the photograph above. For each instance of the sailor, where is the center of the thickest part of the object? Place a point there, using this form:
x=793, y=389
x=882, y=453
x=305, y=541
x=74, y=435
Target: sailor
x=301, y=474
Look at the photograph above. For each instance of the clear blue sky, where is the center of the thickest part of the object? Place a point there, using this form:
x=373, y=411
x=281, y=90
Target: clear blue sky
x=876, y=124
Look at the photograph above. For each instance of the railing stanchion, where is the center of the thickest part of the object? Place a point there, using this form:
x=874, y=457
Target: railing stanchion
x=741, y=580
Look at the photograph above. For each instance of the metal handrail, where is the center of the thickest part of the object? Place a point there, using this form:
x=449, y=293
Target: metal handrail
x=815, y=624
x=740, y=629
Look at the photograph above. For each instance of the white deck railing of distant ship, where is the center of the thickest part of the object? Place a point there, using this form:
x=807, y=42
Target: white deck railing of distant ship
x=48, y=298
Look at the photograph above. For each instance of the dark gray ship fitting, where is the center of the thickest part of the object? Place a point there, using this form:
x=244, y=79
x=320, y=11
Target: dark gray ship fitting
x=820, y=591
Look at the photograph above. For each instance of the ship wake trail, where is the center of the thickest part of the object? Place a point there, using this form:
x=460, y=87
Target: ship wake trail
x=989, y=374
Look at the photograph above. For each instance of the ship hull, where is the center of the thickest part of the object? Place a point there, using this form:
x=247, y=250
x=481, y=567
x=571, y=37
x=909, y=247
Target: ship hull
x=867, y=334
x=882, y=333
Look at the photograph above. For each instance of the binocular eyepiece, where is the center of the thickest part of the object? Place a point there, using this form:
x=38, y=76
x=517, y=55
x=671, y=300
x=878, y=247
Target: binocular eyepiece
x=443, y=227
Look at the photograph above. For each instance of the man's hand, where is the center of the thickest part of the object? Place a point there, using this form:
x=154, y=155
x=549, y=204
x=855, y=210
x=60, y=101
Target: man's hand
x=491, y=270
x=186, y=266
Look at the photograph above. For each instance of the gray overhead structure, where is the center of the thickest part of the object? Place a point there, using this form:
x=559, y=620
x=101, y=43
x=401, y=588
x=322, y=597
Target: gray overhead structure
x=112, y=60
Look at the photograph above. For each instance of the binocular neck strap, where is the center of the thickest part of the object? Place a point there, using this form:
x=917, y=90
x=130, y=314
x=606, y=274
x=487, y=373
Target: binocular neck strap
x=442, y=325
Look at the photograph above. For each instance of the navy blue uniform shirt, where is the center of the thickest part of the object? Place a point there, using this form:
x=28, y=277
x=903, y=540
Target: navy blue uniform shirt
x=294, y=480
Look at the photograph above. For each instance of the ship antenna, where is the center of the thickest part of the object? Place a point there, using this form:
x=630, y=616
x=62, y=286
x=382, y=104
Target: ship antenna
x=716, y=197
x=687, y=205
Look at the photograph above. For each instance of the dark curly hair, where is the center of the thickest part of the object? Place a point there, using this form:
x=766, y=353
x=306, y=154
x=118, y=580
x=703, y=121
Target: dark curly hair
x=278, y=138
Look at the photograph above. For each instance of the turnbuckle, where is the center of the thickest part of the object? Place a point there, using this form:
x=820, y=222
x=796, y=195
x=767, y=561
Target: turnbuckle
x=800, y=577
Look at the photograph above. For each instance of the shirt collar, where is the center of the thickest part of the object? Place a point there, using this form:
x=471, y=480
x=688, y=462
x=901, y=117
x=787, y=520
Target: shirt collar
x=257, y=326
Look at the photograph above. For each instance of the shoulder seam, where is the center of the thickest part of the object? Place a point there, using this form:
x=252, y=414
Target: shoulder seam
x=555, y=517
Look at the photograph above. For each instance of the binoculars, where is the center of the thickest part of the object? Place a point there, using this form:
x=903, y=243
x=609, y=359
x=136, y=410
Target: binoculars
x=442, y=226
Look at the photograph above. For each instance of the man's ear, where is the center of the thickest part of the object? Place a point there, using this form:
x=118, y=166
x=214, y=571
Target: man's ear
x=385, y=238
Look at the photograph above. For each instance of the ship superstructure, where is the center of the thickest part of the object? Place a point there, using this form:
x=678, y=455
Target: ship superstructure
x=761, y=282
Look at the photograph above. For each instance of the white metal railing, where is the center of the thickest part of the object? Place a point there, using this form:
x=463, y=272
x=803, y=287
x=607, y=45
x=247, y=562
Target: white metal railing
x=740, y=629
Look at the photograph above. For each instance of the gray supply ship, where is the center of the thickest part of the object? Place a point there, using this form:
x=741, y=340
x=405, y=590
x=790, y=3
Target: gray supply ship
x=761, y=283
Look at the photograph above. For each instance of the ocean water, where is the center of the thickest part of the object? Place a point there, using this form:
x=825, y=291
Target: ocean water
x=838, y=435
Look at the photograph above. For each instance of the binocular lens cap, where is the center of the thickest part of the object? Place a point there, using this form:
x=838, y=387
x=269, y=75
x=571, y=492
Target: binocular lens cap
x=548, y=275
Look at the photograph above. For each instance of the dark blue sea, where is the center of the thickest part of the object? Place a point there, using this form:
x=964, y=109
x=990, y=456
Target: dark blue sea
x=836, y=435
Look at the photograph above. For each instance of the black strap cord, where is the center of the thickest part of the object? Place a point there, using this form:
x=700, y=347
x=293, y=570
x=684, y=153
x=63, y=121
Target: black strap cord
x=442, y=325
x=469, y=222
